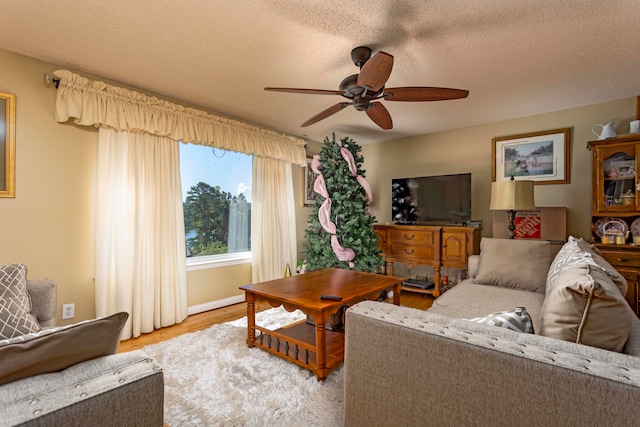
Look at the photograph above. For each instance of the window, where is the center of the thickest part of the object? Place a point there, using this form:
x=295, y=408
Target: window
x=216, y=196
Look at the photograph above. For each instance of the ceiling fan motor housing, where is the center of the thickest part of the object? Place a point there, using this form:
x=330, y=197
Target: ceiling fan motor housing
x=350, y=87
x=353, y=91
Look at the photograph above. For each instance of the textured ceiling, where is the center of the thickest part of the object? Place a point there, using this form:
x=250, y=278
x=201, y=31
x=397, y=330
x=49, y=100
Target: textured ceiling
x=517, y=57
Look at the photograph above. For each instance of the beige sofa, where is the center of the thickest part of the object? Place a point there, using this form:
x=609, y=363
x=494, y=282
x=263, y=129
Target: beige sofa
x=407, y=367
x=116, y=390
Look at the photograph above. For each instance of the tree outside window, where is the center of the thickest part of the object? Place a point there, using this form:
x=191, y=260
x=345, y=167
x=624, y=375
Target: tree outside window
x=216, y=220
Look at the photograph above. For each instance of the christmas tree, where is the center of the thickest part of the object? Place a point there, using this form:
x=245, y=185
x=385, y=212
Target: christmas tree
x=340, y=231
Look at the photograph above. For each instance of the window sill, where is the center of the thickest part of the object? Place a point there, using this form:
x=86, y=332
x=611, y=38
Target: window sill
x=215, y=261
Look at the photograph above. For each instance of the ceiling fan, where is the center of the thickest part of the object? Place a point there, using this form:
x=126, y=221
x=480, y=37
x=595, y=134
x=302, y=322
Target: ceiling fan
x=365, y=88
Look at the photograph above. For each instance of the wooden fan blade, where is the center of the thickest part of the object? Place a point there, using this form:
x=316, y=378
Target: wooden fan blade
x=417, y=94
x=376, y=71
x=306, y=91
x=326, y=113
x=380, y=115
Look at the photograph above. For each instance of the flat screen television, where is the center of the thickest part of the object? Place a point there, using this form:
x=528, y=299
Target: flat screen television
x=443, y=199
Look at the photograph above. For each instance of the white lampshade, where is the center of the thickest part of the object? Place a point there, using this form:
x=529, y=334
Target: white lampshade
x=512, y=195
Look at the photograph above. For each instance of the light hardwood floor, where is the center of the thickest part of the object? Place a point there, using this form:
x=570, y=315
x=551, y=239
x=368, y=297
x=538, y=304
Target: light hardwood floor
x=200, y=321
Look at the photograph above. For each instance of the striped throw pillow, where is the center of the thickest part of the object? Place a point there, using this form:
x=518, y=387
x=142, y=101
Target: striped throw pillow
x=516, y=320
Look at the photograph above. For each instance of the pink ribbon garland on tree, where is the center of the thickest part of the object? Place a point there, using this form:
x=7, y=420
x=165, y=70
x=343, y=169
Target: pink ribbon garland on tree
x=324, y=212
x=319, y=186
x=343, y=254
x=346, y=154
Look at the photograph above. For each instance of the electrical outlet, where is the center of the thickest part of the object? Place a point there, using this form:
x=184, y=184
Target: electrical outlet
x=68, y=311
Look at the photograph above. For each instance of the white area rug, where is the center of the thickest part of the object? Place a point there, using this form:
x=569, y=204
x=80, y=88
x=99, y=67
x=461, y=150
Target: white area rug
x=213, y=379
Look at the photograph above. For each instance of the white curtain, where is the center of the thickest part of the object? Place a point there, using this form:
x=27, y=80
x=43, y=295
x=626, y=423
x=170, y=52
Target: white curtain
x=140, y=230
x=273, y=219
x=140, y=247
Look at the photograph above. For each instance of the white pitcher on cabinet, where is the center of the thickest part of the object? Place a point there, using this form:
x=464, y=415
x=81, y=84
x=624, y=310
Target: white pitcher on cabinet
x=606, y=132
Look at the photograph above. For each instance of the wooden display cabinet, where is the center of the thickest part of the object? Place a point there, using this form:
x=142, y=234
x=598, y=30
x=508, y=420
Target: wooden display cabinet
x=435, y=246
x=616, y=206
x=615, y=184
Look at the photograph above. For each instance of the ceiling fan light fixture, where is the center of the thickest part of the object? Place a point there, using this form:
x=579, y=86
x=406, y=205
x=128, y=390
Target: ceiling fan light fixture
x=361, y=104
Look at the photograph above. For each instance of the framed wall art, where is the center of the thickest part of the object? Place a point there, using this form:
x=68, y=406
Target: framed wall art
x=542, y=157
x=308, y=178
x=7, y=145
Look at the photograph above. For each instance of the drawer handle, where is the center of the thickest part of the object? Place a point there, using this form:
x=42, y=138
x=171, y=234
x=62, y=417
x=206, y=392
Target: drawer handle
x=409, y=253
x=620, y=259
x=409, y=238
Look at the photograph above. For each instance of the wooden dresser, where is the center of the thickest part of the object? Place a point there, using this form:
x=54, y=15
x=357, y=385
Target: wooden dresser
x=435, y=246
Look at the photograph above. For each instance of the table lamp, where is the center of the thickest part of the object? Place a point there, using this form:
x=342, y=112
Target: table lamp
x=512, y=196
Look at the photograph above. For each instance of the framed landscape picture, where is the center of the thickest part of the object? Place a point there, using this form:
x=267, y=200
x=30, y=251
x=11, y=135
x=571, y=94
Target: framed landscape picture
x=7, y=144
x=542, y=157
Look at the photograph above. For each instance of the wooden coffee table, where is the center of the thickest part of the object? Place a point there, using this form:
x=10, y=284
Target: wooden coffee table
x=312, y=347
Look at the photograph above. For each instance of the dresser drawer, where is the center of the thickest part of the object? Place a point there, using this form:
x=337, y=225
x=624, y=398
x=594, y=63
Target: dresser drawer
x=411, y=237
x=410, y=251
x=622, y=259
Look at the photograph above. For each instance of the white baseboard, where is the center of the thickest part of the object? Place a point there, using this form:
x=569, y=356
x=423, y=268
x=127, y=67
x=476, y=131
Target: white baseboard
x=215, y=304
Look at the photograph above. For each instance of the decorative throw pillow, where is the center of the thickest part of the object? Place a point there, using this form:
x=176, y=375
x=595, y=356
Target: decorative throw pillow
x=15, y=304
x=617, y=278
x=516, y=320
x=569, y=255
x=53, y=350
x=584, y=306
x=513, y=263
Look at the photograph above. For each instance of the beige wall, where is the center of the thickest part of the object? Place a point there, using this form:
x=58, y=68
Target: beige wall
x=469, y=150
x=49, y=225
x=216, y=284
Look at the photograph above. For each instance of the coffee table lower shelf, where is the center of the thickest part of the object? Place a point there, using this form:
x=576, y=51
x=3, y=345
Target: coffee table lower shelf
x=297, y=343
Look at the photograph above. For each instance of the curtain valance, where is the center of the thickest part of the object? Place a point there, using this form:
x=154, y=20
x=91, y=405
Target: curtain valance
x=95, y=103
